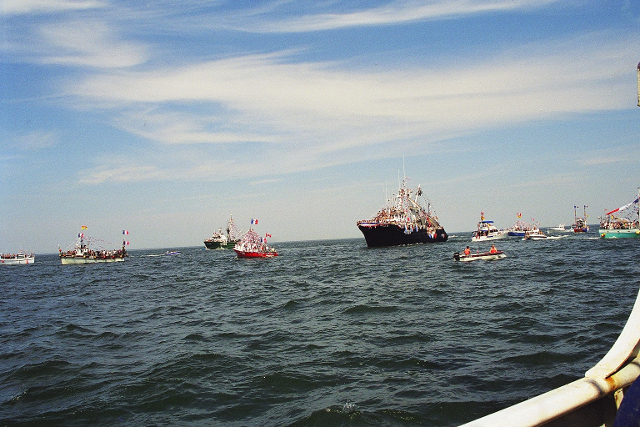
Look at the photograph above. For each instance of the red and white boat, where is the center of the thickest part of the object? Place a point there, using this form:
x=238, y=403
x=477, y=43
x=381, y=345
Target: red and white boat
x=254, y=246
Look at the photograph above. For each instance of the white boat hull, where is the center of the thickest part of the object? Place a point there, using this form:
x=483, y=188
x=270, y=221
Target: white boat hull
x=493, y=236
x=18, y=261
x=486, y=256
x=88, y=260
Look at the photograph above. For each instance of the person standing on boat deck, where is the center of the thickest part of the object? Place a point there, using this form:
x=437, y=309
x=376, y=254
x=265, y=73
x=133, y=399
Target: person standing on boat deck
x=493, y=249
x=467, y=251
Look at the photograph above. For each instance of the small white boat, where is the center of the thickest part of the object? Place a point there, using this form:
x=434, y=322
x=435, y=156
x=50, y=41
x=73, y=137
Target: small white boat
x=21, y=258
x=534, y=234
x=560, y=227
x=487, y=231
x=487, y=256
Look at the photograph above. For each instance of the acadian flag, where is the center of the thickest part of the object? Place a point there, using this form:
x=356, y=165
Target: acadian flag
x=254, y=221
x=84, y=227
x=125, y=243
x=621, y=208
x=125, y=232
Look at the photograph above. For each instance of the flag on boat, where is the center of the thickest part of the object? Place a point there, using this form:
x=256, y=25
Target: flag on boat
x=125, y=243
x=254, y=221
x=519, y=214
x=267, y=235
x=84, y=227
x=624, y=207
x=125, y=232
x=80, y=235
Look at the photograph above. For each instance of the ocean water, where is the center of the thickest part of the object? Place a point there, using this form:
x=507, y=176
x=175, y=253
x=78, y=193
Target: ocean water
x=329, y=333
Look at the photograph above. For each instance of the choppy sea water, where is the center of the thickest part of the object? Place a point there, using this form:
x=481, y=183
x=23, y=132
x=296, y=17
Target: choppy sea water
x=329, y=333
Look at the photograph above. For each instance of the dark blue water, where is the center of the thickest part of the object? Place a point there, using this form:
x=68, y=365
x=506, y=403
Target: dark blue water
x=329, y=333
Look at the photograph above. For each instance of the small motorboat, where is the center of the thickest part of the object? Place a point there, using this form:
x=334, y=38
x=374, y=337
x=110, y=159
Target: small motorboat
x=534, y=234
x=172, y=253
x=560, y=227
x=487, y=256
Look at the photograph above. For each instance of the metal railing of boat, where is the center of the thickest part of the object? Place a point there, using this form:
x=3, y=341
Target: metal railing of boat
x=589, y=401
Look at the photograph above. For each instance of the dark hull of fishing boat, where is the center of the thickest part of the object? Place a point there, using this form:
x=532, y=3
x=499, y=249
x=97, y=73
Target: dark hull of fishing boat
x=393, y=235
x=218, y=245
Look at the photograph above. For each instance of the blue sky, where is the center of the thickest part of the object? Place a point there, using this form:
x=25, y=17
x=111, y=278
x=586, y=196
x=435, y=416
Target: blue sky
x=165, y=117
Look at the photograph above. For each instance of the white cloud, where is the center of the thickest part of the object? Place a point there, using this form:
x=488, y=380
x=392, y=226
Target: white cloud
x=395, y=12
x=262, y=98
x=89, y=43
x=36, y=140
x=24, y=7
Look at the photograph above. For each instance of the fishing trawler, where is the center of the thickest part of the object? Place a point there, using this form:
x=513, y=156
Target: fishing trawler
x=219, y=240
x=622, y=227
x=84, y=253
x=254, y=246
x=403, y=221
x=21, y=258
x=580, y=224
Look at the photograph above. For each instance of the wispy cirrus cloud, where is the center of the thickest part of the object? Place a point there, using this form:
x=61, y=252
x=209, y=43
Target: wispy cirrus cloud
x=88, y=43
x=25, y=7
x=392, y=13
x=325, y=114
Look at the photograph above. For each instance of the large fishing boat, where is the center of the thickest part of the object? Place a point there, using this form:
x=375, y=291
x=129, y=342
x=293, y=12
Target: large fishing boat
x=220, y=240
x=254, y=246
x=622, y=227
x=21, y=258
x=487, y=231
x=85, y=251
x=403, y=221
x=580, y=224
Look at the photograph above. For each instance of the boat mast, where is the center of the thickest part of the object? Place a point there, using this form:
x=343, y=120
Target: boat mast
x=639, y=84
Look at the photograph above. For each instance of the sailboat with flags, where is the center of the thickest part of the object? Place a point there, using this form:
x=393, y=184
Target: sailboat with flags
x=622, y=223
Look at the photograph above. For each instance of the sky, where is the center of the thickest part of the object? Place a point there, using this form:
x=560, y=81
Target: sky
x=164, y=118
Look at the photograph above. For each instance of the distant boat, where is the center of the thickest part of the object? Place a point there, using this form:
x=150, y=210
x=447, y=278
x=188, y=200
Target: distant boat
x=627, y=227
x=83, y=253
x=219, y=240
x=519, y=229
x=254, y=246
x=560, y=227
x=580, y=223
x=534, y=234
x=21, y=258
x=487, y=231
x=172, y=252
x=486, y=256
x=403, y=221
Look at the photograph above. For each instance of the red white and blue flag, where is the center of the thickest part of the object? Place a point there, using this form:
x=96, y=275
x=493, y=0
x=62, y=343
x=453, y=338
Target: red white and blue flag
x=254, y=221
x=125, y=232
